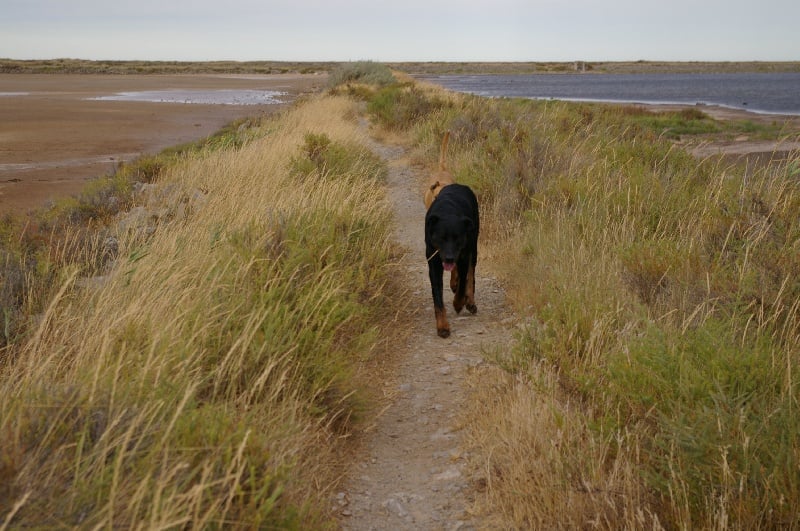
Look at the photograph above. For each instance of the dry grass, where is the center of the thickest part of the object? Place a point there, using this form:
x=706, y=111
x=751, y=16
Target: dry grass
x=652, y=385
x=541, y=467
x=206, y=382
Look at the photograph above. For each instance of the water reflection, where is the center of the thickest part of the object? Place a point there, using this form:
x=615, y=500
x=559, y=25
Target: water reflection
x=199, y=96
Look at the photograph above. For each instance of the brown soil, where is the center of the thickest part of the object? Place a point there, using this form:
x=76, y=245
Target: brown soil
x=53, y=139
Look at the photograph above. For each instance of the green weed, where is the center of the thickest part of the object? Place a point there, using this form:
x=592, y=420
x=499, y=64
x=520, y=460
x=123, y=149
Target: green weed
x=361, y=72
x=400, y=106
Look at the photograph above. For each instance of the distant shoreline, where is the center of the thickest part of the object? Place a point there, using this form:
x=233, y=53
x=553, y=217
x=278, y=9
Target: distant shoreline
x=80, y=66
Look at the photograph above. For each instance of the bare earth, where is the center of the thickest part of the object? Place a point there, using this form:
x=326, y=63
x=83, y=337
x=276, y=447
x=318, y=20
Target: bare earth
x=53, y=138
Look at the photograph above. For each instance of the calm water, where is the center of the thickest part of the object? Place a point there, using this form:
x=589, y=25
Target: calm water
x=764, y=93
x=200, y=96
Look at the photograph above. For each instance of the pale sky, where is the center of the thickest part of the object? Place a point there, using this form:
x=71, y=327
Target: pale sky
x=402, y=30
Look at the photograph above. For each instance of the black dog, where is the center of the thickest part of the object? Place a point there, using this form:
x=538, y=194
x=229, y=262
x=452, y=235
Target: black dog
x=451, y=244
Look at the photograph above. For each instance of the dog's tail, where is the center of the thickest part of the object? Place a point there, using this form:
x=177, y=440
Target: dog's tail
x=443, y=150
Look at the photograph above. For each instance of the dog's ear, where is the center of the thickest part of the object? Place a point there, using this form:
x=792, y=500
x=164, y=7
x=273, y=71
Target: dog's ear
x=432, y=220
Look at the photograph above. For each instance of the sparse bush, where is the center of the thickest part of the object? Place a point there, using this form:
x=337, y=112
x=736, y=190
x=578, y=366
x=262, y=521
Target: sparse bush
x=325, y=157
x=400, y=107
x=361, y=72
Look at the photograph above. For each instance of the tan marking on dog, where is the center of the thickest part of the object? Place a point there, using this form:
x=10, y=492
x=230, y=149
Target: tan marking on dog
x=442, y=326
x=470, y=293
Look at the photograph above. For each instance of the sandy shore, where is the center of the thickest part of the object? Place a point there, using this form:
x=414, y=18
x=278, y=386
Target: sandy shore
x=54, y=137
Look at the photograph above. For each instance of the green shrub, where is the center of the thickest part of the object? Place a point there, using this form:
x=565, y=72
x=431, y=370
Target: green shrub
x=400, y=106
x=719, y=417
x=321, y=155
x=367, y=72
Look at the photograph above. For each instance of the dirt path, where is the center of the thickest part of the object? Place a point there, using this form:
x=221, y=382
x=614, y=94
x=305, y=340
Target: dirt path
x=412, y=470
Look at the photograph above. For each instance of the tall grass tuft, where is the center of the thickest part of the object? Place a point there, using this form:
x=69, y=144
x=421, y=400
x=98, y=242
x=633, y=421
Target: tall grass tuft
x=653, y=383
x=208, y=380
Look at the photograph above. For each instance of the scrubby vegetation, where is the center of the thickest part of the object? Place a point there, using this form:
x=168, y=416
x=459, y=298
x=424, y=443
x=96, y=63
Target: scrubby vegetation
x=363, y=72
x=653, y=382
x=203, y=374
x=74, y=229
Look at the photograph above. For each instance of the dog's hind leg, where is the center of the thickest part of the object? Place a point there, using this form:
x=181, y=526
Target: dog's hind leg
x=470, y=291
x=454, y=279
x=435, y=273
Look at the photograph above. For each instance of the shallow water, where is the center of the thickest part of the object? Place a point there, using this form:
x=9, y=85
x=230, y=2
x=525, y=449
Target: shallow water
x=200, y=96
x=763, y=93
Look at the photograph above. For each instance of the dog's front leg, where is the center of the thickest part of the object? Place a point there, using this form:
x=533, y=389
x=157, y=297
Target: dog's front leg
x=435, y=273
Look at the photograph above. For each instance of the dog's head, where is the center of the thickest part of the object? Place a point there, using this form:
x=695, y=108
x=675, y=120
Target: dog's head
x=449, y=235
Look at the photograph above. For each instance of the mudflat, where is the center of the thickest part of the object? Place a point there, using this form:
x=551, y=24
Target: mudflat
x=54, y=136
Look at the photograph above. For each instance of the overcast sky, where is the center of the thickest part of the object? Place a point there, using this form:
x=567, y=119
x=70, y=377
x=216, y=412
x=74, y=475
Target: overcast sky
x=401, y=30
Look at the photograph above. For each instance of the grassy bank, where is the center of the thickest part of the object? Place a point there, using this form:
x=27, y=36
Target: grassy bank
x=653, y=383
x=185, y=353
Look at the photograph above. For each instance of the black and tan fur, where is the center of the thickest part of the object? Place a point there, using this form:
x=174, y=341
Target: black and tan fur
x=452, y=224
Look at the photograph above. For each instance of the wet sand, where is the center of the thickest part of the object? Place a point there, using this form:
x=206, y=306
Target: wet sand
x=54, y=138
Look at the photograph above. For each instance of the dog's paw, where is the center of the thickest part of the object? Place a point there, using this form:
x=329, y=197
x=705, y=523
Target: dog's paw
x=443, y=332
x=472, y=308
